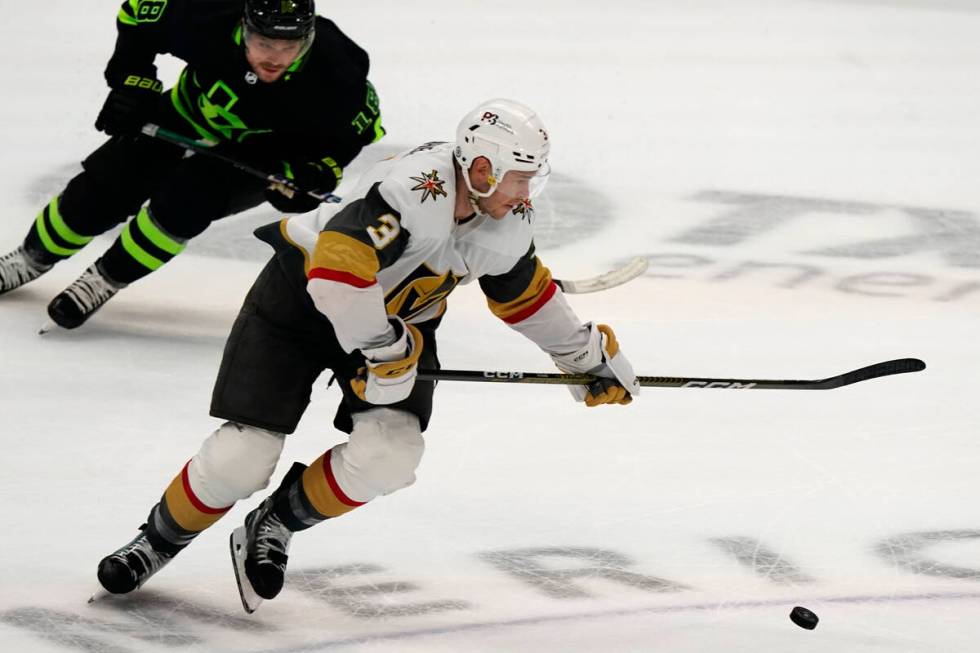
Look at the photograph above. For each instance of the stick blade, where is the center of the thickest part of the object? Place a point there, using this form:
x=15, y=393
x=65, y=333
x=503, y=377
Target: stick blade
x=633, y=268
x=886, y=368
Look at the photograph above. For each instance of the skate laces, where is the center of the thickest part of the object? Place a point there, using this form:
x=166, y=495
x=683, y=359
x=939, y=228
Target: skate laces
x=17, y=268
x=271, y=540
x=143, y=559
x=91, y=290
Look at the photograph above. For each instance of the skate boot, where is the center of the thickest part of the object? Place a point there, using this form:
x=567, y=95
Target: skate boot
x=18, y=267
x=129, y=567
x=259, y=550
x=87, y=294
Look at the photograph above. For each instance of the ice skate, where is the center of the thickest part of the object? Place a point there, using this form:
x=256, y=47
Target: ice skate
x=76, y=303
x=259, y=552
x=18, y=267
x=129, y=567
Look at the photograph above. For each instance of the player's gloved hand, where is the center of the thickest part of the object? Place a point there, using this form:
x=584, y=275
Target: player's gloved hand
x=129, y=107
x=391, y=370
x=601, y=357
x=314, y=176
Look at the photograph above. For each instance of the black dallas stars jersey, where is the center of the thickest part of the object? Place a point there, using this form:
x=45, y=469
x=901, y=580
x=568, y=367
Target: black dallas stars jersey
x=323, y=106
x=397, y=250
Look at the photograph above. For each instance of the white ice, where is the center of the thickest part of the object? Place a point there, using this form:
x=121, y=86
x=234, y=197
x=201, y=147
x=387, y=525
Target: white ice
x=802, y=175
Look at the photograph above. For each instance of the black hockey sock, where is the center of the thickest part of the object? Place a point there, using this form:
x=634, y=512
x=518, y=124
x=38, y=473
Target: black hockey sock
x=290, y=503
x=50, y=239
x=142, y=247
x=164, y=533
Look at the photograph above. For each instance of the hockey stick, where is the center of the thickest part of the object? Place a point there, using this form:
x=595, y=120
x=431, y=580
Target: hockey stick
x=633, y=268
x=887, y=368
x=199, y=147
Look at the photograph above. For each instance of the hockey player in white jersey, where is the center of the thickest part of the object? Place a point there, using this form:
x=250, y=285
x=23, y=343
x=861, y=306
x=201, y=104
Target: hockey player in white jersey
x=360, y=289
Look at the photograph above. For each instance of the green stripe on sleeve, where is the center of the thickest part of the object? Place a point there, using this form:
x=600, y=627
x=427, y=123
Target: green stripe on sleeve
x=379, y=131
x=125, y=18
x=128, y=12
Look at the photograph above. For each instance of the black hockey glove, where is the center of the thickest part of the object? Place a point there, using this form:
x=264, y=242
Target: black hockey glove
x=129, y=107
x=316, y=176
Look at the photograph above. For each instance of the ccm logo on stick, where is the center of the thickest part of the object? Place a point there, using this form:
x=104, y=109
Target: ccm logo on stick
x=503, y=375
x=734, y=385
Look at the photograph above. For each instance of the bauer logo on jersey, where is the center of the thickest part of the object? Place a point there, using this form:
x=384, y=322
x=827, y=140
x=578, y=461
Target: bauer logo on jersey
x=430, y=185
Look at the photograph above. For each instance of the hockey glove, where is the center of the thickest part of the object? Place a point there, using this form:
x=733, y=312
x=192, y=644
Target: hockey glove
x=129, y=107
x=601, y=357
x=391, y=370
x=317, y=176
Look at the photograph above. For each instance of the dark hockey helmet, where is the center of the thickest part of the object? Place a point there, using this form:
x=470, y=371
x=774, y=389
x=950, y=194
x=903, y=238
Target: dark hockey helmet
x=280, y=19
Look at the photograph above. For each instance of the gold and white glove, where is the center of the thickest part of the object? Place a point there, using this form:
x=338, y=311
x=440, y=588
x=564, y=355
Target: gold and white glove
x=390, y=371
x=601, y=357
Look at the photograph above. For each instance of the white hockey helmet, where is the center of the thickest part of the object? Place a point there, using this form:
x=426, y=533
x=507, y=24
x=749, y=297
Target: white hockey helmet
x=510, y=135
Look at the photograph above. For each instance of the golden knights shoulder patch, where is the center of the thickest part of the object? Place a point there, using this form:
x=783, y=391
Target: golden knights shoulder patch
x=524, y=209
x=430, y=185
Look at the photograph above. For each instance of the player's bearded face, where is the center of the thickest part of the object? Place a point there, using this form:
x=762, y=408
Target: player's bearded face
x=269, y=58
x=509, y=192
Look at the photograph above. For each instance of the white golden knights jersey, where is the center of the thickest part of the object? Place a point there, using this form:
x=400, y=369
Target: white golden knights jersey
x=397, y=250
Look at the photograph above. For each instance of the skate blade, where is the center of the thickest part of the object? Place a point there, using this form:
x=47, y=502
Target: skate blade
x=98, y=595
x=250, y=600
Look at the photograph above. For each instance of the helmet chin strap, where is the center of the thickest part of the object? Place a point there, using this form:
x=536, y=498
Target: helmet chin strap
x=474, y=196
x=475, y=203
x=469, y=185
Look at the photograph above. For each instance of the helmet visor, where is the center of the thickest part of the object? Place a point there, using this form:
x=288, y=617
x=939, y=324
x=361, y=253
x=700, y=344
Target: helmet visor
x=539, y=180
x=523, y=184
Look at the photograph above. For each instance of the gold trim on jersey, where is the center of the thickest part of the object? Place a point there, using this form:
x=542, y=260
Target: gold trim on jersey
x=284, y=230
x=343, y=253
x=539, y=284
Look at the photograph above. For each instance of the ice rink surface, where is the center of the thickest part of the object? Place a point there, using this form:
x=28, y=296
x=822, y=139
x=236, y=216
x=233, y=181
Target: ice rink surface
x=802, y=176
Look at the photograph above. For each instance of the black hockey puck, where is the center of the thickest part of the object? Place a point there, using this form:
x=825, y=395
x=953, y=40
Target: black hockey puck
x=804, y=618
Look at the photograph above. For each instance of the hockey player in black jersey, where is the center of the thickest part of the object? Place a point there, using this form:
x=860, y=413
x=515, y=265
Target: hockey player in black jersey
x=361, y=289
x=267, y=82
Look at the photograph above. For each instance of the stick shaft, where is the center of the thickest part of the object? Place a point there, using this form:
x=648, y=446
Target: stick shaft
x=887, y=368
x=155, y=131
